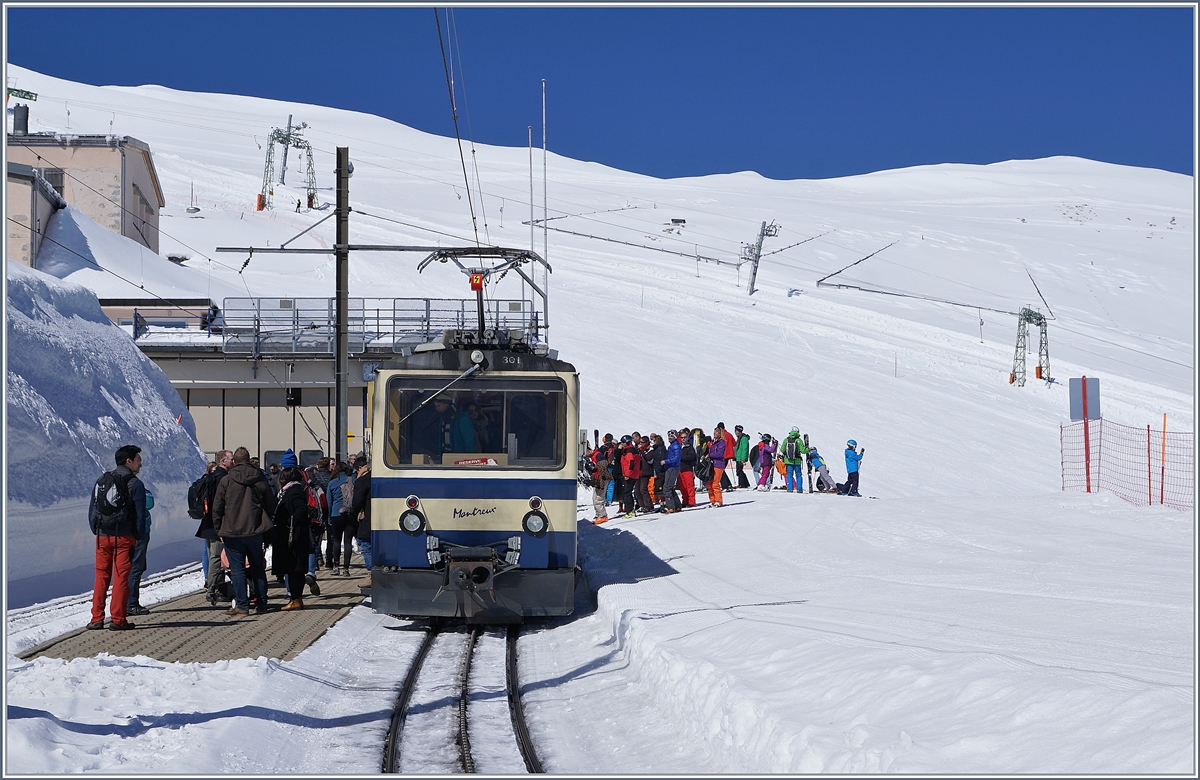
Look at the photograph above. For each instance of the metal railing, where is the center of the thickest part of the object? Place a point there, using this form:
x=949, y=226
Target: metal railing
x=259, y=326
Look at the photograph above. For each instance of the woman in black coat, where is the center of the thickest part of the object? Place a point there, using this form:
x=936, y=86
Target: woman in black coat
x=361, y=509
x=292, y=540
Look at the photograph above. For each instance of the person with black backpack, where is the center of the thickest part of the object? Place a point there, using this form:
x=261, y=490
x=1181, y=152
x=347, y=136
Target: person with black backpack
x=116, y=514
x=200, y=502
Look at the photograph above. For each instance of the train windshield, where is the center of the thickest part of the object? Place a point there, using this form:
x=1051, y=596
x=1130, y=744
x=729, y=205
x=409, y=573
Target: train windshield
x=512, y=423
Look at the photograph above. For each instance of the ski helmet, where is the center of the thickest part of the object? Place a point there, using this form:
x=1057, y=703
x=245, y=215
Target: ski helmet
x=851, y=444
x=795, y=429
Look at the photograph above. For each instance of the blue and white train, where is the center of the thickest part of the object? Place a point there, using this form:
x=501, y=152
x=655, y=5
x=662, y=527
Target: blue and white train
x=473, y=484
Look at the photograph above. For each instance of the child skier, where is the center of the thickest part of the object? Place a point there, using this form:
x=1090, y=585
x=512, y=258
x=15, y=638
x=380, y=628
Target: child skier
x=853, y=458
x=766, y=457
x=824, y=481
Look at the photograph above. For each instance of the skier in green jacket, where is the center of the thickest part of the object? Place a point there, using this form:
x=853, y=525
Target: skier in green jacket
x=792, y=450
x=741, y=454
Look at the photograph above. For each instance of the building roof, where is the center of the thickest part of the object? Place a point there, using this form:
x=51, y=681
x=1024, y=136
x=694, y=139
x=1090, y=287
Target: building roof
x=72, y=139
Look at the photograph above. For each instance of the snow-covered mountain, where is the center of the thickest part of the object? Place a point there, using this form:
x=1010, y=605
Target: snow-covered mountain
x=972, y=619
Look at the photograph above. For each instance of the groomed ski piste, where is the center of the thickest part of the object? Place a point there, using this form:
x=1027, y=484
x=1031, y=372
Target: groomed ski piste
x=973, y=619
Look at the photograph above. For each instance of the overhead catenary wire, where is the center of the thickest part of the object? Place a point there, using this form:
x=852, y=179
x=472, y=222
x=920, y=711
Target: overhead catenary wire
x=462, y=73
x=454, y=117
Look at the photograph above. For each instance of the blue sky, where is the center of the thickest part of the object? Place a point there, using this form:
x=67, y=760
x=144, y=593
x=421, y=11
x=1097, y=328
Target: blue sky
x=787, y=92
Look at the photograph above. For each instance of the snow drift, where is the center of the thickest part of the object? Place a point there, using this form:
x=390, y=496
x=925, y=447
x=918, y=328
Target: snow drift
x=78, y=388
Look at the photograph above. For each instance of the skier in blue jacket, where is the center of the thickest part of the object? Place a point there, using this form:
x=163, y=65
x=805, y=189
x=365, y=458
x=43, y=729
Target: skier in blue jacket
x=671, y=479
x=853, y=458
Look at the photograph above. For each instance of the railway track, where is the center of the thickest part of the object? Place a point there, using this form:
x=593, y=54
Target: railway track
x=459, y=707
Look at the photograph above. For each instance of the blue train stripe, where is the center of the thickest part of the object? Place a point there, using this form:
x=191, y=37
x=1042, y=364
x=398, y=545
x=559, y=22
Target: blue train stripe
x=434, y=487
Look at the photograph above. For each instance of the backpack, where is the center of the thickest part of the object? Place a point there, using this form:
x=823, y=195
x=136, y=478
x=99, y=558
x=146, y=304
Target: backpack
x=347, y=495
x=198, y=498
x=111, y=502
x=704, y=469
x=314, y=503
x=790, y=449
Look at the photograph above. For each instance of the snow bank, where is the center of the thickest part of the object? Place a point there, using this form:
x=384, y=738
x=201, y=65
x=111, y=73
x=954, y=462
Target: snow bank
x=113, y=266
x=77, y=389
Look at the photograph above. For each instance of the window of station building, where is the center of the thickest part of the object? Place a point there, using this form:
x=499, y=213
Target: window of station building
x=53, y=177
x=484, y=423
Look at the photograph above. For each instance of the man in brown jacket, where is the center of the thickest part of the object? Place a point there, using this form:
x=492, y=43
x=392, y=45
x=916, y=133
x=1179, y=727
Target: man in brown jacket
x=242, y=511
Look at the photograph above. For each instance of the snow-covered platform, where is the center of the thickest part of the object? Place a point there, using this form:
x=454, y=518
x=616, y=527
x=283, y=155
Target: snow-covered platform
x=188, y=629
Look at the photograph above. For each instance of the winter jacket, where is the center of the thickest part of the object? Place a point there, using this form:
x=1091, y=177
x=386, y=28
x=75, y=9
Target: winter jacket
x=815, y=460
x=852, y=459
x=716, y=451
x=766, y=454
x=243, y=504
x=320, y=478
x=292, y=540
x=631, y=464
x=654, y=459
x=135, y=520
x=205, y=531
x=742, y=452
x=462, y=433
x=602, y=474
x=334, y=491
x=801, y=450
x=730, y=445
x=687, y=458
x=672, y=455
x=362, y=503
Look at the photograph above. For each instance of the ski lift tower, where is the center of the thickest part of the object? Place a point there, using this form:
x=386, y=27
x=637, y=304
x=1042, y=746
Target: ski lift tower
x=289, y=138
x=752, y=253
x=1026, y=318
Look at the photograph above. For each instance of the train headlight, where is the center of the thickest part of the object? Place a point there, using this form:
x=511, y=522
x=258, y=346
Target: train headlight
x=412, y=522
x=412, y=502
x=535, y=503
x=535, y=523
x=476, y=357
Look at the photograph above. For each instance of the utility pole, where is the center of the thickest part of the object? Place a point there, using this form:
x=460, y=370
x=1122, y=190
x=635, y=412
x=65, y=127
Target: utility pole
x=342, y=258
x=755, y=252
x=286, y=139
x=545, y=224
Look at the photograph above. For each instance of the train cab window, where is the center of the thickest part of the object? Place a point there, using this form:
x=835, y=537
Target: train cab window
x=485, y=423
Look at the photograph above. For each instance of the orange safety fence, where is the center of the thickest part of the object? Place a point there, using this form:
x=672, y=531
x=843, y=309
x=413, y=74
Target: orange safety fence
x=1141, y=465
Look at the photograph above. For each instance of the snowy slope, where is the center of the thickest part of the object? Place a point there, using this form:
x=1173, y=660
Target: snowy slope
x=974, y=619
x=77, y=389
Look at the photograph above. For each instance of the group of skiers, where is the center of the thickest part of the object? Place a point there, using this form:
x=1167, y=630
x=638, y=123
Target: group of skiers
x=652, y=474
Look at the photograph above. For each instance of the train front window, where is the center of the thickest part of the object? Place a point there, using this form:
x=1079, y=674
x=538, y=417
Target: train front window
x=513, y=423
